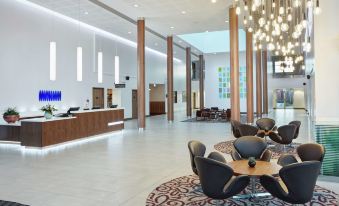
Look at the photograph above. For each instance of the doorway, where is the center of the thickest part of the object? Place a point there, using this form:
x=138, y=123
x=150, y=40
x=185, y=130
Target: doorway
x=157, y=99
x=134, y=104
x=109, y=98
x=98, y=98
x=194, y=96
x=289, y=99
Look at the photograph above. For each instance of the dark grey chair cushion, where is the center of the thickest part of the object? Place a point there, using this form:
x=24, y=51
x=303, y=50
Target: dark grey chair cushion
x=196, y=149
x=234, y=127
x=297, y=125
x=250, y=146
x=248, y=130
x=311, y=151
x=216, y=179
x=265, y=124
x=285, y=134
x=300, y=180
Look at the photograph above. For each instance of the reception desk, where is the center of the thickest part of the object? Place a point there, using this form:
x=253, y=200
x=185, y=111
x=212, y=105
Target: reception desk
x=40, y=132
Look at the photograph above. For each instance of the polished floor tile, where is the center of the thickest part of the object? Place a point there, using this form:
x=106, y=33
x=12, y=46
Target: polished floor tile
x=116, y=169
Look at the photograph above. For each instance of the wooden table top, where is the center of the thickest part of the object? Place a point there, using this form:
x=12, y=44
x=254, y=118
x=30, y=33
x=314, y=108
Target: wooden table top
x=241, y=167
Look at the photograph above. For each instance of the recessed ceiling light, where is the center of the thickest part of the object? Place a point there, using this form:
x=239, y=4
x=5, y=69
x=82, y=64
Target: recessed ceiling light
x=172, y=27
x=86, y=13
x=226, y=21
x=207, y=31
x=136, y=5
x=183, y=12
x=129, y=32
x=214, y=1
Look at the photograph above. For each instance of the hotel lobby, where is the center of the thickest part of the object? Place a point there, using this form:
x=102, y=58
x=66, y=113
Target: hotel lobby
x=195, y=102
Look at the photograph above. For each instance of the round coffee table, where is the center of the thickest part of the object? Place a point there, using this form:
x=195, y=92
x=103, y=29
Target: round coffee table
x=241, y=167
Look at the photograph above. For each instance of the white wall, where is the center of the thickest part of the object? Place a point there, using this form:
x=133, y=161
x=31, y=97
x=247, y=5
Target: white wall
x=326, y=40
x=213, y=61
x=24, y=62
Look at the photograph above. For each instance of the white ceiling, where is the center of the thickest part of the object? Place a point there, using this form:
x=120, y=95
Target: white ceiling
x=160, y=15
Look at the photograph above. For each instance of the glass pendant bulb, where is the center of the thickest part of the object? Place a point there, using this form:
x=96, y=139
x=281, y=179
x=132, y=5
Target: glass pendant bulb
x=238, y=10
x=317, y=9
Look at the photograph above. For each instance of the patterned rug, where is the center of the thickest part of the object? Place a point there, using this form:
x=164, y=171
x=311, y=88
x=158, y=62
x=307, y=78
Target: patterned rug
x=226, y=147
x=184, y=191
x=6, y=203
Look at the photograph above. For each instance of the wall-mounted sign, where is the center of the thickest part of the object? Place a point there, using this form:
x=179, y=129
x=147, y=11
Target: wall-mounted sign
x=49, y=96
x=117, y=86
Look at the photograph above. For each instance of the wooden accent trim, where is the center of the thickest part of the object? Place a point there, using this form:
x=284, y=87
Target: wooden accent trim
x=141, y=74
x=201, y=81
x=234, y=59
x=249, y=76
x=258, y=83
x=170, y=100
x=188, y=82
x=265, y=87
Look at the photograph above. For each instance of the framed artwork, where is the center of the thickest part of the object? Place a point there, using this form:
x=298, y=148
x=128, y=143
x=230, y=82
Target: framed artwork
x=224, y=82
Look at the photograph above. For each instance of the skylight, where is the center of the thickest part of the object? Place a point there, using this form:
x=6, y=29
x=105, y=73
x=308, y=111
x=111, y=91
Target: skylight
x=214, y=42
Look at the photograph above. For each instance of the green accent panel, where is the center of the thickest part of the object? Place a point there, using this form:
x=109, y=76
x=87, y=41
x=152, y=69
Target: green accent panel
x=328, y=135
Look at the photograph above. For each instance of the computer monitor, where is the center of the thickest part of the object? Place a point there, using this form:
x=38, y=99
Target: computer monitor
x=73, y=109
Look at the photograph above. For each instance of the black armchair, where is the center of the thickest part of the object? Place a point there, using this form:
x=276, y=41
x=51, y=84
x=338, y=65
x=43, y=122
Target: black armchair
x=297, y=182
x=266, y=124
x=218, y=180
x=297, y=125
x=249, y=130
x=250, y=146
x=198, y=149
x=235, y=128
x=306, y=152
x=285, y=134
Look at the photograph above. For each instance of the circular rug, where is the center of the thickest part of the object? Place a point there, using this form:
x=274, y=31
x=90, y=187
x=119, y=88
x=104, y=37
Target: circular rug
x=185, y=191
x=226, y=147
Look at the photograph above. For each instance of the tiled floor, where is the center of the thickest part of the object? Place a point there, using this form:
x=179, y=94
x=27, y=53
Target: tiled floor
x=120, y=169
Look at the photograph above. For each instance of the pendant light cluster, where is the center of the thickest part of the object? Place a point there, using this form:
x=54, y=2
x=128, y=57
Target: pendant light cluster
x=283, y=27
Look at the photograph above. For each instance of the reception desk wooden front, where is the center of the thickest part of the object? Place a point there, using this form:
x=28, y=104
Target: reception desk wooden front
x=41, y=132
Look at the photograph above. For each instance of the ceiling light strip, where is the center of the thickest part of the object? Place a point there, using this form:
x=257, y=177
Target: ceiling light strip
x=92, y=28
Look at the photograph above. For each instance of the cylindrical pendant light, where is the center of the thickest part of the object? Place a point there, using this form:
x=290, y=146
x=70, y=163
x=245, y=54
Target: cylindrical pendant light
x=79, y=64
x=52, y=61
x=99, y=67
x=117, y=70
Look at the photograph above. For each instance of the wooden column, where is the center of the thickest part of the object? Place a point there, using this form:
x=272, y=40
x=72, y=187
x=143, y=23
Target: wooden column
x=265, y=88
x=234, y=58
x=141, y=74
x=201, y=81
x=188, y=83
x=249, y=76
x=259, y=83
x=170, y=100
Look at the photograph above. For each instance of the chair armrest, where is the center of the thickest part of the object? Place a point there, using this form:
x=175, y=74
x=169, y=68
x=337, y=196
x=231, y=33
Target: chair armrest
x=275, y=137
x=273, y=186
x=287, y=159
x=236, y=185
x=235, y=155
x=266, y=156
x=217, y=157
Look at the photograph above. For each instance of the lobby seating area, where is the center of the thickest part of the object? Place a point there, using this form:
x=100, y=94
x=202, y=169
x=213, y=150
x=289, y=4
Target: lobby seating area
x=169, y=103
x=213, y=114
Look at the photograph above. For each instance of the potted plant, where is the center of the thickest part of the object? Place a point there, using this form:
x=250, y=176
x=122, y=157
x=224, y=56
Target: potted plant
x=48, y=109
x=11, y=115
